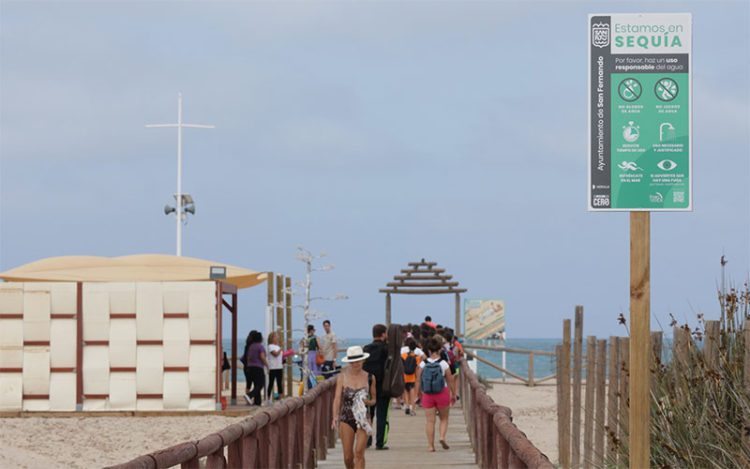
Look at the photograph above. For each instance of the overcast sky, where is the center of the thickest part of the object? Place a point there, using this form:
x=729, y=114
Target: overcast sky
x=379, y=132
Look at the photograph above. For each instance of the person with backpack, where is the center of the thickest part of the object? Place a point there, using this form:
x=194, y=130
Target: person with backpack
x=375, y=365
x=435, y=380
x=411, y=363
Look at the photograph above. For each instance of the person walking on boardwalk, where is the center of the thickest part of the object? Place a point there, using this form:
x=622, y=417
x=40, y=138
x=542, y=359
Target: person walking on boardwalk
x=355, y=390
x=328, y=346
x=375, y=364
x=411, y=362
x=275, y=365
x=313, y=355
x=435, y=379
x=255, y=362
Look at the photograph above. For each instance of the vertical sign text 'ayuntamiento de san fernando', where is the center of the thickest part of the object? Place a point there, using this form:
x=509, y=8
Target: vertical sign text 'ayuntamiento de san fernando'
x=640, y=120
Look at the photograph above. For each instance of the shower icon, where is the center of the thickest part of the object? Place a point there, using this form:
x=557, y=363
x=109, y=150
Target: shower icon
x=666, y=132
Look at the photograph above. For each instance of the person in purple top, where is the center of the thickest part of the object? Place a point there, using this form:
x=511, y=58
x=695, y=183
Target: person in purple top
x=255, y=364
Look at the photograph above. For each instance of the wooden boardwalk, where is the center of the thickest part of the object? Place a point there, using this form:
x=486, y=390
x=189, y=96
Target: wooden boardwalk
x=408, y=445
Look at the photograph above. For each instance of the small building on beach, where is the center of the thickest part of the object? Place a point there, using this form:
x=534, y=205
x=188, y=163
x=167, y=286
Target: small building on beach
x=133, y=333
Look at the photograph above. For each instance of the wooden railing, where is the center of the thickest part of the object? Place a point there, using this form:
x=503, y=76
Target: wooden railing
x=531, y=380
x=295, y=432
x=496, y=440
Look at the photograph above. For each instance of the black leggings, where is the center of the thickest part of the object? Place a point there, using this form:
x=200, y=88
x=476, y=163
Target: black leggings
x=255, y=378
x=275, y=375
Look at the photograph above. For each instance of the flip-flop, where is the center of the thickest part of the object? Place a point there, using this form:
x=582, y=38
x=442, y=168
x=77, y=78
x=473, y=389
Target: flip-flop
x=444, y=444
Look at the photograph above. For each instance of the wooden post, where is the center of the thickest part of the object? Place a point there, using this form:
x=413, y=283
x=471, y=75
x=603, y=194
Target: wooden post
x=565, y=383
x=625, y=400
x=640, y=328
x=387, y=309
x=79, y=346
x=656, y=344
x=746, y=335
x=588, y=410
x=601, y=381
x=458, y=314
x=279, y=304
x=613, y=392
x=711, y=345
x=531, y=369
x=235, y=358
x=560, y=402
x=680, y=355
x=577, y=362
x=288, y=302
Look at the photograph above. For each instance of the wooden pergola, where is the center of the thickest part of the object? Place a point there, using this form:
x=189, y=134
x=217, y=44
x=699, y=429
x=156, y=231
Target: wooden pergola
x=423, y=278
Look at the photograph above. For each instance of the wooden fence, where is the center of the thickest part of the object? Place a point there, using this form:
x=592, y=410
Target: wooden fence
x=601, y=402
x=295, y=432
x=497, y=442
x=530, y=380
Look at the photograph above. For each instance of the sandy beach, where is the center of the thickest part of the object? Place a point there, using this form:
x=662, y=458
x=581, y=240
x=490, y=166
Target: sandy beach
x=42, y=442
x=534, y=412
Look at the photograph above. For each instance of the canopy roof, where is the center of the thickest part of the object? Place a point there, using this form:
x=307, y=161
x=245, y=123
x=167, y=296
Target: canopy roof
x=136, y=268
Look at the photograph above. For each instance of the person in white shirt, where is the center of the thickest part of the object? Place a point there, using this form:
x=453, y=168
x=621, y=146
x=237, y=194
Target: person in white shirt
x=329, y=347
x=275, y=366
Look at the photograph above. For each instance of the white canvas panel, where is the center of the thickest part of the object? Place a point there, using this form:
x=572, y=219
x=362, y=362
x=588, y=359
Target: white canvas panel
x=150, y=374
x=95, y=314
x=202, y=369
x=63, y=343
x=36, y=315
x=176, y=391
x=122, y=298
x=95, y=404
x=11, y=391
x=36, y=370
x=63, y=297
x=122, y=343
x=149, y=311
x=122, y=391
x=62, y=391
x=11, y=343
x=175, y=301
x=95, y=370
x=149, y=404
x=202, y=404
x=202, y=310
x=36, y=405
x=176, y=342
x=11, y=298
x=206, y=286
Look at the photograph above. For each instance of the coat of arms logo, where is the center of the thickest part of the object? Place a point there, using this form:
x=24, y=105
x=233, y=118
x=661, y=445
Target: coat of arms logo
x=600, y=35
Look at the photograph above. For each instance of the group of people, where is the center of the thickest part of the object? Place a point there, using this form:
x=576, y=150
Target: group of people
x=256, y=359
x=430, y=361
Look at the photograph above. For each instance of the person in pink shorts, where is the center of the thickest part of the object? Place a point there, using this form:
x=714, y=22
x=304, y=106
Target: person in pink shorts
x=435, y=380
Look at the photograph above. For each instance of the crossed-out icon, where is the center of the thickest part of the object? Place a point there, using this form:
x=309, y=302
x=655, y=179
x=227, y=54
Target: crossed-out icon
x=630, y=89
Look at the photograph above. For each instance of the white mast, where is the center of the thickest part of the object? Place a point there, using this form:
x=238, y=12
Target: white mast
x=180, y=214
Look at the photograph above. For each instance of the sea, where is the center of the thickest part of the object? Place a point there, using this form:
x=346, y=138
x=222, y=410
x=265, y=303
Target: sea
x=517, y=363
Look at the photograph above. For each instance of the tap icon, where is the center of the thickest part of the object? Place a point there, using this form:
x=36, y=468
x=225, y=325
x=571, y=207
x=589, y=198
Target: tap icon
x=669, y=134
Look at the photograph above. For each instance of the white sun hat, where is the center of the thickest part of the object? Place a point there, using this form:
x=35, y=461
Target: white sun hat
x=355, y=354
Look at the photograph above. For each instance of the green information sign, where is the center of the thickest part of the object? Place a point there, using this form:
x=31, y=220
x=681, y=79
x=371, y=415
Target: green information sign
x=640, y=112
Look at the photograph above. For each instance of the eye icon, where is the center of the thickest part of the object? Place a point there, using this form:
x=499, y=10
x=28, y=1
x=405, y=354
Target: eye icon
x=666, y=165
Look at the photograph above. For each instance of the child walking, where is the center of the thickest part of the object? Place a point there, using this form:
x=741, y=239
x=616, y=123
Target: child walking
x=275, y=365
x=435, y=380
x=411, y=363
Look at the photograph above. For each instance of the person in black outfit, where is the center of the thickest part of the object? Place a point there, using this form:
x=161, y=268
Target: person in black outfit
x=375, y=365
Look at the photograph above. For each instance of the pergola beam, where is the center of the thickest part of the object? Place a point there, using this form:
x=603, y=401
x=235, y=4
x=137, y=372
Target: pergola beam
x=422, y=292
x=423, y=284
x=423, y=277
x=422, y=271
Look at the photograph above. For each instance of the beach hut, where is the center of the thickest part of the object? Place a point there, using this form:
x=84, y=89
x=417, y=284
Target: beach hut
x=133, y=333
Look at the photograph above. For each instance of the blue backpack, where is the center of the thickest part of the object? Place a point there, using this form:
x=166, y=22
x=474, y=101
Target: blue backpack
x=432, y=381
